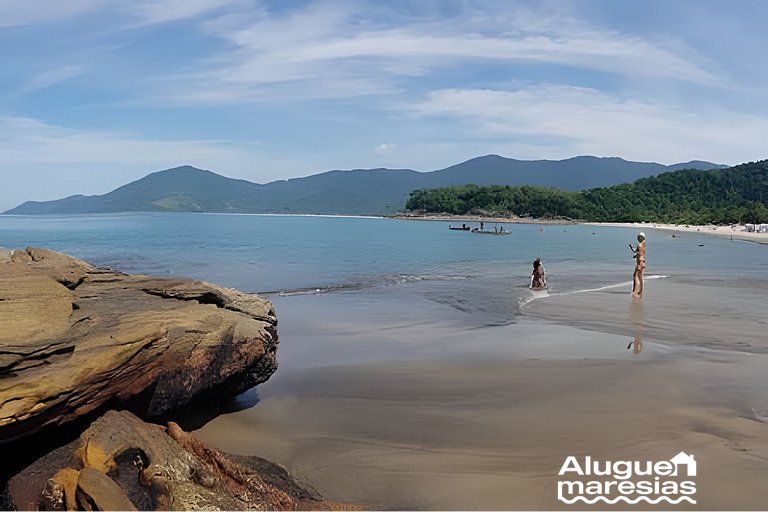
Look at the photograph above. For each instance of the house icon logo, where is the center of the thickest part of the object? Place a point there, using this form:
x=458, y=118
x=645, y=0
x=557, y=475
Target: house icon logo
x=683, y=459
x=588, y=480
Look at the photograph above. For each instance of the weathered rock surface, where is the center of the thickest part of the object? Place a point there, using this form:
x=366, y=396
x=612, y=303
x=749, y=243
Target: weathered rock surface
x=123, y=463
x=76, y=339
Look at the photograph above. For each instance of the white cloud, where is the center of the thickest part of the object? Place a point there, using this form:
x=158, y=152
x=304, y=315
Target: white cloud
x=325, y=50
x=26, y=140
x=43, y=161
x=162, y=11
x=31, y=143
x=377, y=64
x=52, y=77
x=26, y=12
x=581, y=120
x=331, y=50
x=386, y=149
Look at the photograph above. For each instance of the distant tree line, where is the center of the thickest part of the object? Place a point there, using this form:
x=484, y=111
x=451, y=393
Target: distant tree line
x=724, y=196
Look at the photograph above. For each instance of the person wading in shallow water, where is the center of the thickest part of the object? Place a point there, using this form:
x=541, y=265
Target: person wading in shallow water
x=538, y=281
x=637, y=277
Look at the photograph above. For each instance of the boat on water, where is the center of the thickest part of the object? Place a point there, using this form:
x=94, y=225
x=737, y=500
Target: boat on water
x=498, y=232
x=463, y=227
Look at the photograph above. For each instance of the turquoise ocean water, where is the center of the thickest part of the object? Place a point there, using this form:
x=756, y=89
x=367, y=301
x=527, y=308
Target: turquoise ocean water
x=288, y=255
x=398, y=336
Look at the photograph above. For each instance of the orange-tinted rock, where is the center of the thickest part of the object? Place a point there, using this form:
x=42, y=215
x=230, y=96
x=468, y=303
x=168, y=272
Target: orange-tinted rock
x=76, y=339
x=101, y=492
x=138, y=465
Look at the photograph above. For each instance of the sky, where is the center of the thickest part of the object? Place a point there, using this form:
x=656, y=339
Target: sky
x=97, y=93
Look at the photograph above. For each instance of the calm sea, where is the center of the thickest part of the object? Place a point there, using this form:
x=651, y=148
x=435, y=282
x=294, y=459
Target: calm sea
x=415, y=369
x=484, y=275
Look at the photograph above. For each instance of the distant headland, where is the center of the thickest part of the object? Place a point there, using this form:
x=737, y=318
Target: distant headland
x=352, y=192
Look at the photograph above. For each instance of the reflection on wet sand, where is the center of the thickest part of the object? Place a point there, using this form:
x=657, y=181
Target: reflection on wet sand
x=375, y=405
x=637, y=319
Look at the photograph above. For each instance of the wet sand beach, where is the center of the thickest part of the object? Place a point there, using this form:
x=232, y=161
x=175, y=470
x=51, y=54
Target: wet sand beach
x=397, y=404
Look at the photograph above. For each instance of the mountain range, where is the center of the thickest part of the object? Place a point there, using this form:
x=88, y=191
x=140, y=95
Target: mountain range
x=353, y=192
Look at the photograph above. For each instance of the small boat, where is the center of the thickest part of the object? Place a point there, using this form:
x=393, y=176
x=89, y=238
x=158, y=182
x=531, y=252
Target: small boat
x=491, y=232
x=462, y=228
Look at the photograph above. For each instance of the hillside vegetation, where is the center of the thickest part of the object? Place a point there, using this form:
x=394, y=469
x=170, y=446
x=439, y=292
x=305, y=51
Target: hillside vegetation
x=722, y=196
x=360, y=191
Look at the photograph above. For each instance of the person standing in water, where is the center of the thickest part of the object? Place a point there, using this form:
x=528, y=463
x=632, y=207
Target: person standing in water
x=637, y=277
x=538, y=280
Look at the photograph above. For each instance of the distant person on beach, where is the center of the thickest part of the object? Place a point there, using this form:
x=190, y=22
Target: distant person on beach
x=481, y=225
x=637, y=277
x=538, y=280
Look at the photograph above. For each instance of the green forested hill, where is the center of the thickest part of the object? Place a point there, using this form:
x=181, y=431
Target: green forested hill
x=359, y=191
x=735, y=194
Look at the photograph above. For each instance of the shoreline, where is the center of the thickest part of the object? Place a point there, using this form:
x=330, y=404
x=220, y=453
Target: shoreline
x=482, y=218
x=734, y=231
x=486, y=425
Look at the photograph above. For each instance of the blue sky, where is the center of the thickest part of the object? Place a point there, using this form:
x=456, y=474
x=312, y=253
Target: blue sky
x=97, y=93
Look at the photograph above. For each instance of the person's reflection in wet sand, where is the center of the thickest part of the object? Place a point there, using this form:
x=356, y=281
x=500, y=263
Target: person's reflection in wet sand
x=637, y=319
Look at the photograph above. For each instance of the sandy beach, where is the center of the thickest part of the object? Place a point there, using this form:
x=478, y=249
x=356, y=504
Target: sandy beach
x=441, y=416
x=735, y=231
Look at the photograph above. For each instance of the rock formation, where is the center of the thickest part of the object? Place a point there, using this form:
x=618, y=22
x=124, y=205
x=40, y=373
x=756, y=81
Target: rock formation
x=123, y=463
x=77, y=340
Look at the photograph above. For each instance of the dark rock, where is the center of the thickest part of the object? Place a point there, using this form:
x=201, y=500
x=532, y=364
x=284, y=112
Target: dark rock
x=77, y=340
x=123, y=463
x=99, y=492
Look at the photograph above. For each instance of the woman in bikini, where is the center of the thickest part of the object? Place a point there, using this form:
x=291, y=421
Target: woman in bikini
x=538, y=281
x=637, y=277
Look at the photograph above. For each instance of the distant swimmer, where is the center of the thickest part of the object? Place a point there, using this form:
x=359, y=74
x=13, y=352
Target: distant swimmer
x=538, y=279
x=637, y=277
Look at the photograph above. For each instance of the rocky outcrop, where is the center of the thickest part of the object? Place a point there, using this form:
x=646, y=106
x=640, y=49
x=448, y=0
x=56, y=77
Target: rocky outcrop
x=76, y=340
x=123, y=463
